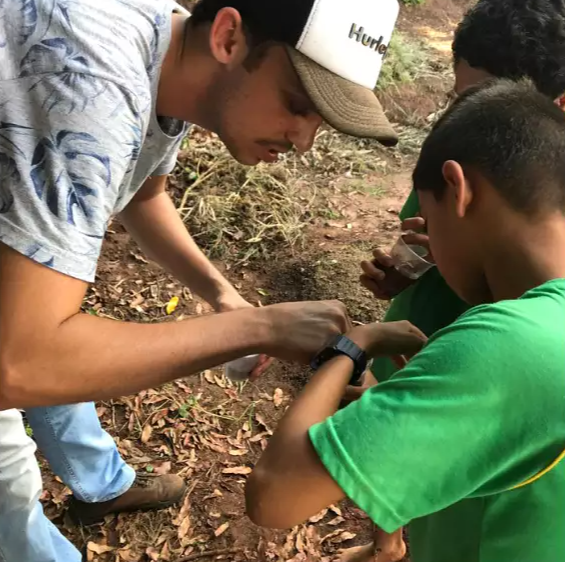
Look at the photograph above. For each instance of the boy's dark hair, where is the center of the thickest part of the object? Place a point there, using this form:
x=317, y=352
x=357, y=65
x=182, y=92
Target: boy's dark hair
x=509, y=133
x=516, y=39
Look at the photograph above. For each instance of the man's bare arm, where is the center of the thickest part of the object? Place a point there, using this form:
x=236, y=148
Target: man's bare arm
x=153, y=221
x=51, y=353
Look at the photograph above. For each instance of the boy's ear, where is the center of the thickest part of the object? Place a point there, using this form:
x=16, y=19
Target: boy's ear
x=458, y=189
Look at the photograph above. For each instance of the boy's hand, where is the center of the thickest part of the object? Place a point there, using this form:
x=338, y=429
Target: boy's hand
x=379, y=275
x=388, y=339
x=413, y=225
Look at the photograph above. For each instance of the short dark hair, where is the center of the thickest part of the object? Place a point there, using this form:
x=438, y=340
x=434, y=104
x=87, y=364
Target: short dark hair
x=516, y=39
x=511, y=134
x=254, y=15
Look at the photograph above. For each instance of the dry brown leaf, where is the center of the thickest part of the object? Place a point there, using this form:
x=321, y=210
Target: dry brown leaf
x=258, y=437
x=146, y=433
x=221, y=529
x=184, y=511
x=163, y=468
x=127, y=555
x=209, y=376
x=220, y=381
x=184, y=527
x=99, y=548
x=215, y=494
x=335, y=509
x=319, y=517
x=300, y=541
x=331, y=535
x=278, y=397
x=165, y=552
x=152, y=553
x=237, y=470
x=214, y=446
x=238, y=452
x=300, y=557
x=261, y=421
x=137, y=301
x=336, y=521
x=345, y=536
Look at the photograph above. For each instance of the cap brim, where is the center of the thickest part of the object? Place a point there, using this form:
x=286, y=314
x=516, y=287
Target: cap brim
x=346, y=106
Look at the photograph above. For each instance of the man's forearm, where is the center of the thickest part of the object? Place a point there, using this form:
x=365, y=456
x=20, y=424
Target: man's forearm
x=88, y=358
x=156, y=226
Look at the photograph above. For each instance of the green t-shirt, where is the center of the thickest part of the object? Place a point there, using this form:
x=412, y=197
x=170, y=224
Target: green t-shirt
x=429, y=304
x=478, y=411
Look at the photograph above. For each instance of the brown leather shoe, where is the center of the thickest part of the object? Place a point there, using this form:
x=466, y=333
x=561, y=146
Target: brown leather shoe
x=146, y=493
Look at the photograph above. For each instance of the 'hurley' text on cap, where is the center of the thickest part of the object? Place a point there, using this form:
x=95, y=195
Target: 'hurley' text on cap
x=376, y=44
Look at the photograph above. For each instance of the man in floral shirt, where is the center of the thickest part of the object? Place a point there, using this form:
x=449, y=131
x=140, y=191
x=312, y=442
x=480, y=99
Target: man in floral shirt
x=94, y=100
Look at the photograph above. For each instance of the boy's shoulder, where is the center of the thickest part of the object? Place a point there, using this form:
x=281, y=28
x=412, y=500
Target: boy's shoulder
x=534, y=316
x=519, y=339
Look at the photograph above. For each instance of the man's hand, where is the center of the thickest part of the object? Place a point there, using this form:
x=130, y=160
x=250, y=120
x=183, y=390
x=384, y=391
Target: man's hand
x=388, y=339
x=232, y=300
x=304, y=328
x=229, y=301
x=379, y=275
x=153, y=221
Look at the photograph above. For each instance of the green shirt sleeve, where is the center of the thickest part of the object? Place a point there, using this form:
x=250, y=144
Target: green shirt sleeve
x=457, y=422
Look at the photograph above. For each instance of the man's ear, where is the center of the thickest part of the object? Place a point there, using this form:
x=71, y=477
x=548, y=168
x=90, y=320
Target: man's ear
x=228, y=43
x=458, y=189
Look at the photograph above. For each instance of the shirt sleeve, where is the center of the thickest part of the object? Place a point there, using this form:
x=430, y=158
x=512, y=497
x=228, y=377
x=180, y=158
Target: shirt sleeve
x=456, y=423
x=167, y=165
x=67, y=143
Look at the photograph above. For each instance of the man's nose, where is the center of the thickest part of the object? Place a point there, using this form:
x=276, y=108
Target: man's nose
x=304, y=133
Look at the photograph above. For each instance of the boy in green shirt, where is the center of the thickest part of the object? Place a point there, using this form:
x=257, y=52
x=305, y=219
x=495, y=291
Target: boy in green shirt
x=503, y=38
x=466, y=442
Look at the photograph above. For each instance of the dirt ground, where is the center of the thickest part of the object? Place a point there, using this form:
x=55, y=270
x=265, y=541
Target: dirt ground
x=349, y=194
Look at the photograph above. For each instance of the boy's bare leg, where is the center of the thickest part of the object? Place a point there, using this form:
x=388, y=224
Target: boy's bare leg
x=388, y=547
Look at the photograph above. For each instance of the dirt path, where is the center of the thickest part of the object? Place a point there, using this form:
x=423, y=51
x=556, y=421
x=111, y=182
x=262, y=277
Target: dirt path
x=211, y=432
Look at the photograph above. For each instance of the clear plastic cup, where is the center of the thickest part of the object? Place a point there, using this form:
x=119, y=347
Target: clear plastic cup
x=409, y=259
x=240, y=369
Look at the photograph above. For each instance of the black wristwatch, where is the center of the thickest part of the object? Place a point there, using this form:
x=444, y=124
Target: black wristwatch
x=342, y=345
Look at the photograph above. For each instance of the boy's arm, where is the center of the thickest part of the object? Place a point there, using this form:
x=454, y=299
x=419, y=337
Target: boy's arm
x=290, y=468
x=153, y=221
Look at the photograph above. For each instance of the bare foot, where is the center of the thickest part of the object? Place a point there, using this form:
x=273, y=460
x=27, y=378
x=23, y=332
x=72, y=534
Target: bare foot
x=389, y=547
x=357, y=554
x=392, y=551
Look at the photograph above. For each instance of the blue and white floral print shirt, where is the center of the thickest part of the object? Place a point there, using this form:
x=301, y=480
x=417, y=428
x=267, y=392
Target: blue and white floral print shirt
x=78, y=130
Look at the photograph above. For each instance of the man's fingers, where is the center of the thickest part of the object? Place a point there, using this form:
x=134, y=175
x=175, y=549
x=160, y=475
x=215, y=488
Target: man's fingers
x=413, y=223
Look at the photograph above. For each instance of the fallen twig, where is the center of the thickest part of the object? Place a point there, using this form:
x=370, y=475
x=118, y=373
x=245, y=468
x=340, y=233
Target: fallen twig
x=208, y=553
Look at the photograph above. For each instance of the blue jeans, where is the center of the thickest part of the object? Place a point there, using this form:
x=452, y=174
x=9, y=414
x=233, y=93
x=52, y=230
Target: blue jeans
x=79, y=451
